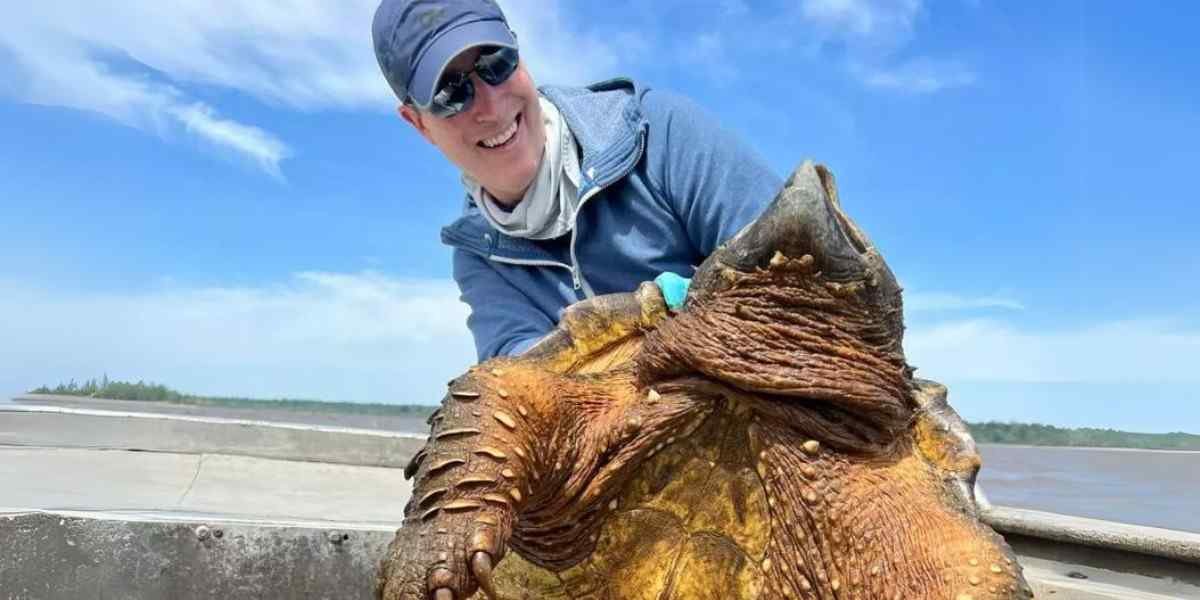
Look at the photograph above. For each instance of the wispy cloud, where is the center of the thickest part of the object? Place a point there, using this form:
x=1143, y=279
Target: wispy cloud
x=335, y=336
x=873, y=22
x=1127, y=351
x=939, y=301
x=708, y=53
x=558, y=49
x=919, y=76
x=294, y=54
x=873, y=33
x=265, y=149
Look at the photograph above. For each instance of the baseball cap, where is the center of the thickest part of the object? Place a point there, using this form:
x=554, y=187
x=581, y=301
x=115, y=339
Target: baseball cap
x=416, y=39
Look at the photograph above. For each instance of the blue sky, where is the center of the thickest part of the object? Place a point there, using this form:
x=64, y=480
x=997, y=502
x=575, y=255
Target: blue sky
x=219, y=196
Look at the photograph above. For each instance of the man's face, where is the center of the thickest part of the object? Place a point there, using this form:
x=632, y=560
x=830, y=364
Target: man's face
x=499, y=140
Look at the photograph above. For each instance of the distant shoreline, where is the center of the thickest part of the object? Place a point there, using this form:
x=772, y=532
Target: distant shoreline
x=403, y=421
x=1104, y=448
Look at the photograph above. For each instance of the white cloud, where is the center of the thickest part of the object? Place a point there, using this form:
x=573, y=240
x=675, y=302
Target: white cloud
x=295, y=54
x=938, y=301
x=334, y=336
x=873, y=21
x=555, y=50
x=919, y=76
x=1128, y=351
x=707, y=53
x=872, y=33
x=264, y=148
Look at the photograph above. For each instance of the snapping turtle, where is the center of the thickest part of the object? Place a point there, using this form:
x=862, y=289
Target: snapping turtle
x=767, y=440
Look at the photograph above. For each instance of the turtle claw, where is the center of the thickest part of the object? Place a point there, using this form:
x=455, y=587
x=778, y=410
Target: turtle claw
x=481, y=568
x=426, y=561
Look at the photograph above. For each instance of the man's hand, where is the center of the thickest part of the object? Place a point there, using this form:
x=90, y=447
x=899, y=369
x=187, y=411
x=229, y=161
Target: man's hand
x=674, y=288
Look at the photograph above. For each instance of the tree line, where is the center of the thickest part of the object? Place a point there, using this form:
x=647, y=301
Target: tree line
x=155, y=392
x=1036, y=434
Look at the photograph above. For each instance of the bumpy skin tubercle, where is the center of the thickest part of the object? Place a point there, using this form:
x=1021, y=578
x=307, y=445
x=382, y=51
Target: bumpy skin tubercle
x=766, y=441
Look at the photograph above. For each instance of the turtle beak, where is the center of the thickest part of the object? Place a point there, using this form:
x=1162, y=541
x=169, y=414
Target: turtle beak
x=804, y=219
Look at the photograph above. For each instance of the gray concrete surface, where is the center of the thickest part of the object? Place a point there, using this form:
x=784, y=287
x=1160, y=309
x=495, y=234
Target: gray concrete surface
x=1058, y=581
x=1178, y=545
x=26, y=425
x=156, y=482
x=1065, y=571
x=61, y=557
x=52, y=556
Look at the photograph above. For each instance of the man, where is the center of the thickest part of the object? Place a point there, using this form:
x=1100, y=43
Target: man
x=570, y=192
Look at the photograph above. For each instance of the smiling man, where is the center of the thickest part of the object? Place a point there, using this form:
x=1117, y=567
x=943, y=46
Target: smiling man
x=570, y=192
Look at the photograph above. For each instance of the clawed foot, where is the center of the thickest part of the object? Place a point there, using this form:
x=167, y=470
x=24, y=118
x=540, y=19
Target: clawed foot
x=470, y=481
x=444, y=559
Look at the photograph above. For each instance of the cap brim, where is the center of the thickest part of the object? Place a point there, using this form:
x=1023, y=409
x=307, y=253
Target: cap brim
x=449, y=45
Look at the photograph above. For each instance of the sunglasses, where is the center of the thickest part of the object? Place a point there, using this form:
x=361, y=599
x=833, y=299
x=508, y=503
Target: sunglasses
x=456, y=91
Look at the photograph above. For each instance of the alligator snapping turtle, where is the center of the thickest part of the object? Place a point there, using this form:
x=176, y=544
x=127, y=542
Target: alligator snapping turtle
x=766, y=441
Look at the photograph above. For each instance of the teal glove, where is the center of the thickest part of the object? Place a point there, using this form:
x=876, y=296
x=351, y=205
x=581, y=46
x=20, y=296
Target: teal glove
x=674, y=288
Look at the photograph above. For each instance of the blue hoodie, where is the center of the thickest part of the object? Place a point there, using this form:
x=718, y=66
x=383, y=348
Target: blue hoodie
x=662, y=186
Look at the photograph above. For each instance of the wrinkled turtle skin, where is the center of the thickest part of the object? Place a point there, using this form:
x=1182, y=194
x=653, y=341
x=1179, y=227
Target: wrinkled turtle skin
x=768, y=440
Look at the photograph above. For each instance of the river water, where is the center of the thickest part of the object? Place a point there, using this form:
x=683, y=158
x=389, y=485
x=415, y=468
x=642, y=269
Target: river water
x=1143, y=487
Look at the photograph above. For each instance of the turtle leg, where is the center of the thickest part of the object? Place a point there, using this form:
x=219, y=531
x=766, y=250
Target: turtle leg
x=525, y=458
x=470, y=483
x=525, y=451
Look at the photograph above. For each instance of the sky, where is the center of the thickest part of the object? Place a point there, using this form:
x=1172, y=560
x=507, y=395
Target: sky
x=219, y=196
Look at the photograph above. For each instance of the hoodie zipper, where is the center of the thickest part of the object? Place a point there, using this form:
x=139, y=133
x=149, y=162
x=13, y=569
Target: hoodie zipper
x=578, y=282
x=577, y=272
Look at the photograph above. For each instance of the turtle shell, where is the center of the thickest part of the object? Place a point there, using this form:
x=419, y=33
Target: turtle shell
x=767, y=441
x=692, y=522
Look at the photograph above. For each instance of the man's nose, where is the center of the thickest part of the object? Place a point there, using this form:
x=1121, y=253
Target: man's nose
x=485, y=106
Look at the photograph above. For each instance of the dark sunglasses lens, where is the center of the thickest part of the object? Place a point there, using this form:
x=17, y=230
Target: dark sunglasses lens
x=497, y=66
x=455, y=94
x=453, y=98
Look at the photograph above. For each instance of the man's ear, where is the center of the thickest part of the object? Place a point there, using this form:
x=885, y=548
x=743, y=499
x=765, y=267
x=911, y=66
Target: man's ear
x=416, y=119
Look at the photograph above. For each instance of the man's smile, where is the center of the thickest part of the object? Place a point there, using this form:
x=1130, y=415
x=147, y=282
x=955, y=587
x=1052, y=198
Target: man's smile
x=504, y=138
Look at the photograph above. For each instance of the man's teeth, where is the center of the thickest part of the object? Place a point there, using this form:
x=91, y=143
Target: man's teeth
x=501, y=137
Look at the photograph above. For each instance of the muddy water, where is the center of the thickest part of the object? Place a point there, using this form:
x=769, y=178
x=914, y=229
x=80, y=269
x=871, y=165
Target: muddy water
x=1143, y=487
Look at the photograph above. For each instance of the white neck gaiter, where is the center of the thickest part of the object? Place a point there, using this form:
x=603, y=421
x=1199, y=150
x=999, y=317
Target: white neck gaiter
x=548, y=208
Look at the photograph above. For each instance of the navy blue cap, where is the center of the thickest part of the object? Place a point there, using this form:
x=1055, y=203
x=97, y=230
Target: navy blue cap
x=416, y=39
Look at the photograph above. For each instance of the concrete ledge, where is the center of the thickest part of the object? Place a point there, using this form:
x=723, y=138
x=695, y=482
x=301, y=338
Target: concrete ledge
x=1078, y=558
x=68, y=555
x=22, y=425
x=1079, y=531
x=51, y=556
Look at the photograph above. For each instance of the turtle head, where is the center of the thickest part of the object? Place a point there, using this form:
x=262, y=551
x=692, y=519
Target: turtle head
x=799, y=305
x=804, y=220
